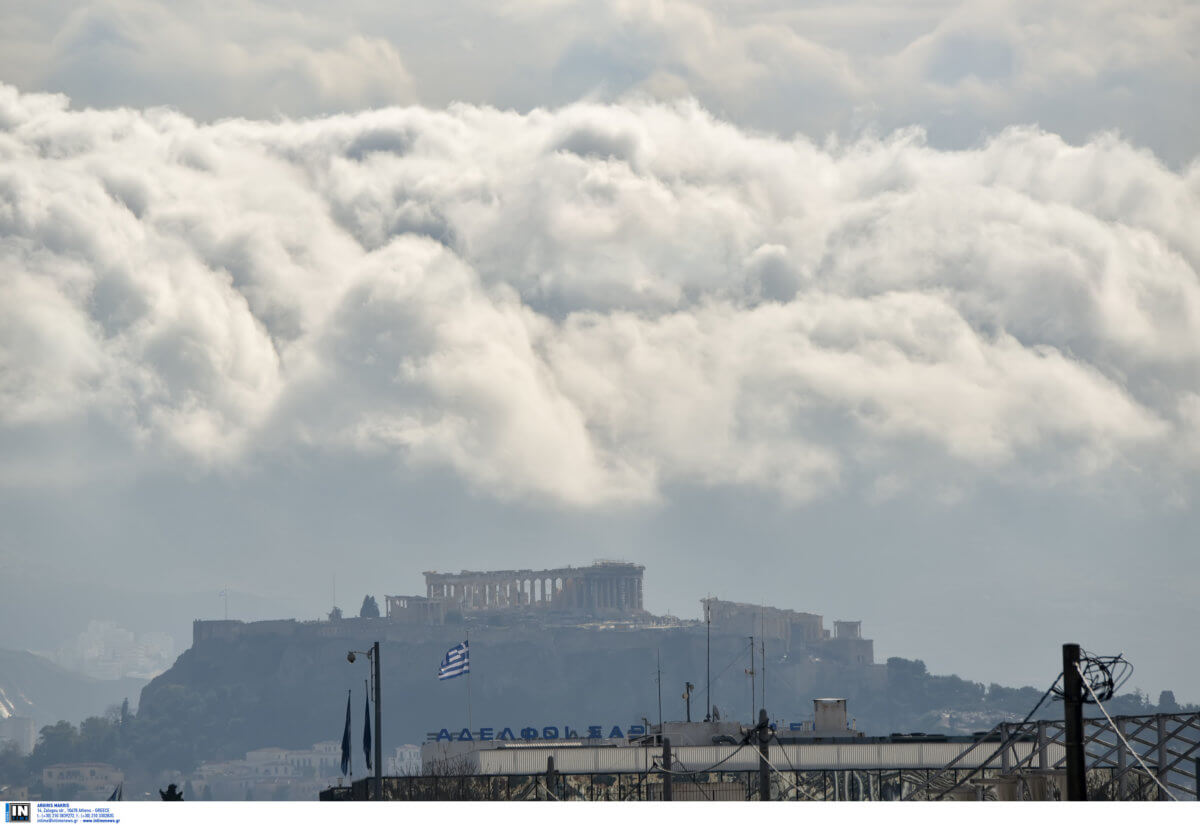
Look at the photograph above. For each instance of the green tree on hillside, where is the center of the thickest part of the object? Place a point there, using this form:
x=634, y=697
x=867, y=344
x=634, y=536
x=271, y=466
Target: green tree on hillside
x=369, y=609
x=12, y=765
x=56, y=743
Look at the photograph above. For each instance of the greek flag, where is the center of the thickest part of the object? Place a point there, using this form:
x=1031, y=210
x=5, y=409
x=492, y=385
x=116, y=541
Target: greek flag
x=456, y=663
x=367, y=731
x=346, y=739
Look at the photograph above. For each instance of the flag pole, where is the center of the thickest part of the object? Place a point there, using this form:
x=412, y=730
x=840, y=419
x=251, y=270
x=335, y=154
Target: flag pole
x=470, y=724
x=346, y=738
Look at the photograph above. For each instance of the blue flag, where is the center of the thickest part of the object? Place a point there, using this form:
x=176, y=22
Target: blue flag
x=346, y=739
x=367, y=730
x=456, y=662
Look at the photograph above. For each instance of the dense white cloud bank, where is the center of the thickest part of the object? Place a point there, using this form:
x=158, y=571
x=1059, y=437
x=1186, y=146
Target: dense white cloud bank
x=588, y=304
x=960, y=68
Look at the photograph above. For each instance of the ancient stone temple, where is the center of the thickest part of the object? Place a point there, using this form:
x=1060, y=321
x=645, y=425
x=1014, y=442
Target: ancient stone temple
x=606, y=587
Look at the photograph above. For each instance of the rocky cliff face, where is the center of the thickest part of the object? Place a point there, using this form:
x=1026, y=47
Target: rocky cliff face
x=33, y=686
x=234, y=691
x=227, y=695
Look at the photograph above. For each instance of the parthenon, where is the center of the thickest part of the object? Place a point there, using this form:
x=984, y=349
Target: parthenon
x=606, y=587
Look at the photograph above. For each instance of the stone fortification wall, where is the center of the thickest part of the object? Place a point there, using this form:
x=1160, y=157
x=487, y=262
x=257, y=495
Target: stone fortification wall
x=800, y=634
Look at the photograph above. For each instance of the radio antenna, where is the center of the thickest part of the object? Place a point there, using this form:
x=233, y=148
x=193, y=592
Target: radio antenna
x=708, y=658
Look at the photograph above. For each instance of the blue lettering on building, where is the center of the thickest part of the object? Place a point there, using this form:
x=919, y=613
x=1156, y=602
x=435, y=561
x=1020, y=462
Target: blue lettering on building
x=548, y=732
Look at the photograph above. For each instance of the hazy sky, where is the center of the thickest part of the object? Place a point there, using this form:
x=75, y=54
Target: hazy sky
x=883, y=311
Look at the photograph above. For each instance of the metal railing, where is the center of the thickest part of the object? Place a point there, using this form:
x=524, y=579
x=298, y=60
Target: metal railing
x=1168, y=744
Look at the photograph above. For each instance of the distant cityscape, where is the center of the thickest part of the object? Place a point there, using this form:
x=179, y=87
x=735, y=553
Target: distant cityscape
x=107, y=651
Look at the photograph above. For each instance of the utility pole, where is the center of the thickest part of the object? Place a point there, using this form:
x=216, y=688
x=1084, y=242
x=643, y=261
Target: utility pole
x=551, y=777
x=764, y=773
x=1073, y=719
x=373, y=658
x=378, y=728
x=666, y=764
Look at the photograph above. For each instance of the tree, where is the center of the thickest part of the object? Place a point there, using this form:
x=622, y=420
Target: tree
x=335, y=615
x=1167, y=703
x=12, y=764
x=56, y=743
x=97, y=740
x=369, y=609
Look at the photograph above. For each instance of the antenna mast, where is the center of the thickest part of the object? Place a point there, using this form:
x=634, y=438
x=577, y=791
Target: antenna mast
x=763, y=649
x=751, y=672
x=660, y=691
x=708, y=659
x=763, y=646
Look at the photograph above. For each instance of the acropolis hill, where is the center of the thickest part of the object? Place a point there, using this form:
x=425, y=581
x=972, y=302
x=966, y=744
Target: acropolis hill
x=606, y=596
x=568, y=646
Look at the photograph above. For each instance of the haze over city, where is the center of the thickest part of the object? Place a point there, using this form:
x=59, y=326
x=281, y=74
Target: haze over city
x=884, y=313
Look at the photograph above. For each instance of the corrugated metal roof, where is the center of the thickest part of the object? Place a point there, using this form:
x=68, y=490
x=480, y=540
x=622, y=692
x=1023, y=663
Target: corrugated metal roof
x=844, y=756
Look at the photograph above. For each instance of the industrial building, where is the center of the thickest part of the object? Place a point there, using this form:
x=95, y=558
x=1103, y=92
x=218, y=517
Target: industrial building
x=1126, y=758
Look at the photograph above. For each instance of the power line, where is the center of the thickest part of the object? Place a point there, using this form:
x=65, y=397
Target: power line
x=736, y=656
x=1121, y=736
x=710, y=768
x=1004, y=744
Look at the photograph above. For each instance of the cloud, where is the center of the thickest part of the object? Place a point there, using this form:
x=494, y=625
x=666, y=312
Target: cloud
x=589, y=305
x=212, y=59
x=961, y=70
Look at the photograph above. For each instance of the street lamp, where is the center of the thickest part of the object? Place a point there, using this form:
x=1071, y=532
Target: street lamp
x=373, y=657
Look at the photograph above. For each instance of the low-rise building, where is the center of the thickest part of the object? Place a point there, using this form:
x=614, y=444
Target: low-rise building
x=81, y=780
x=20, y=731
x=273, y=773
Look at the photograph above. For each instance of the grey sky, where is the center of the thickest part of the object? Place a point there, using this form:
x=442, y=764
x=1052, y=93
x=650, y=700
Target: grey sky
x=883, y=313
